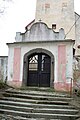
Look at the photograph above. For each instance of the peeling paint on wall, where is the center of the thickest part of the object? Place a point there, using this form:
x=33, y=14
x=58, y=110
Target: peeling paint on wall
x=62, y=63
x=16, y=64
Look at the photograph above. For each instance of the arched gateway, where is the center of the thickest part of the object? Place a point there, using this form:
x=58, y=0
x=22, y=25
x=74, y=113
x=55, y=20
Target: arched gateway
x=38, y=68
x=31, y=57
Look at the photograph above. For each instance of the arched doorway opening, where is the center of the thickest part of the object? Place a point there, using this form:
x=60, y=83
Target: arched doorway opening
x=38, y=68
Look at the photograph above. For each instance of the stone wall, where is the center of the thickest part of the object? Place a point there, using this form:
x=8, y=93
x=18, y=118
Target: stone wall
x=59, y=12
x=3, y=68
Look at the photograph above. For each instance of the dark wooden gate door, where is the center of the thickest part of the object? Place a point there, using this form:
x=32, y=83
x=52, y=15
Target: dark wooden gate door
x=39, y=70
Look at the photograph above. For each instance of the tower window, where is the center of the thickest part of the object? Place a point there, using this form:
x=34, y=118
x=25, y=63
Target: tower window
x=73, y=51
x=53, y=26
x=64, y=4
x=78, y=46
x=47, y=5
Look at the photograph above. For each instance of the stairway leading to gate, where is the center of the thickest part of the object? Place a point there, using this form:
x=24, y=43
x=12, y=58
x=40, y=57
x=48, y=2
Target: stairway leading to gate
x=36, y=104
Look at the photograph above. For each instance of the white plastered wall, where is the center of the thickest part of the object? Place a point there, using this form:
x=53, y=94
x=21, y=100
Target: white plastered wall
x=52, y=47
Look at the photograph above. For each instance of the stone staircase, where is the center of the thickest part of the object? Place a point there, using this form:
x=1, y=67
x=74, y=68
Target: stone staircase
x=36, y=104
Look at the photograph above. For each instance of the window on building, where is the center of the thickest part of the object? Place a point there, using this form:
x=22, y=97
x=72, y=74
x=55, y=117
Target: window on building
x=53, y=26
x=73, y=51
x=33, y=63
x=78, y=46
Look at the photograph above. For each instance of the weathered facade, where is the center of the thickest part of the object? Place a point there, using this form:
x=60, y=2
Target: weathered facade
x=41, y=40
x=43, y=55
x=58, y=13
x=77, y=36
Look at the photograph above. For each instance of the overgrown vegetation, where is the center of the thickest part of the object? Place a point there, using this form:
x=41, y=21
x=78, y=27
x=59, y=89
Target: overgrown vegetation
x=4, y=4
x=76, y=76
x=3, y=85
x=78, y=93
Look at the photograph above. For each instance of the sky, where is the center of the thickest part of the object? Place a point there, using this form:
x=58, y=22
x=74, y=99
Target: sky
x=16, y=16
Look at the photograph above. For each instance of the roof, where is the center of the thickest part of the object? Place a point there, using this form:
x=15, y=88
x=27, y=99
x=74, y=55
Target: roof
x=30, y=24
x=67, y=40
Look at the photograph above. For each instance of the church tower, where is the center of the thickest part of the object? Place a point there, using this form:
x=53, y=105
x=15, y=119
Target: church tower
x=57, y=14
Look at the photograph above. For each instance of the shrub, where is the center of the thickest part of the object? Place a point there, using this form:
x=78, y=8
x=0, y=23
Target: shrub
x=3, y=85
x=78, y=93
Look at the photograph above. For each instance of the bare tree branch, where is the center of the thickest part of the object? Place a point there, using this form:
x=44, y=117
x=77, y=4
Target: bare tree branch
x=4, y=4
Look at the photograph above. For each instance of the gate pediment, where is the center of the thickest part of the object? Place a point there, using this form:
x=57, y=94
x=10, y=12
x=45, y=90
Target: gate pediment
x=39, y=31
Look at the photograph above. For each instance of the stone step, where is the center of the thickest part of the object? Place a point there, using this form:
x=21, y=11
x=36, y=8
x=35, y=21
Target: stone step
x=39, y=110
x=28, y=88
x=34, y=101
x=44, y=93
x=35, y=105
x=10, y=117
x=38, y=104
x=39, y=97
x=39, y=115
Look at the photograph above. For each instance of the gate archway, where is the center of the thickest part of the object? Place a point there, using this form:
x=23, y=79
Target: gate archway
x=38, y=68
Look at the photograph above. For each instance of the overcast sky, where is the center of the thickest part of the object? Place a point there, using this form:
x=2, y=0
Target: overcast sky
x=17, y=15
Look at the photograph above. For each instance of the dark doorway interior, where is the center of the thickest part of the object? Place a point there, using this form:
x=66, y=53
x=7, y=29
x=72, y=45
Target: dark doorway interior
x=39, y=66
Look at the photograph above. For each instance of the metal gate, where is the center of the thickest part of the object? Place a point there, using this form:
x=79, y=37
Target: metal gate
x=39, y=66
